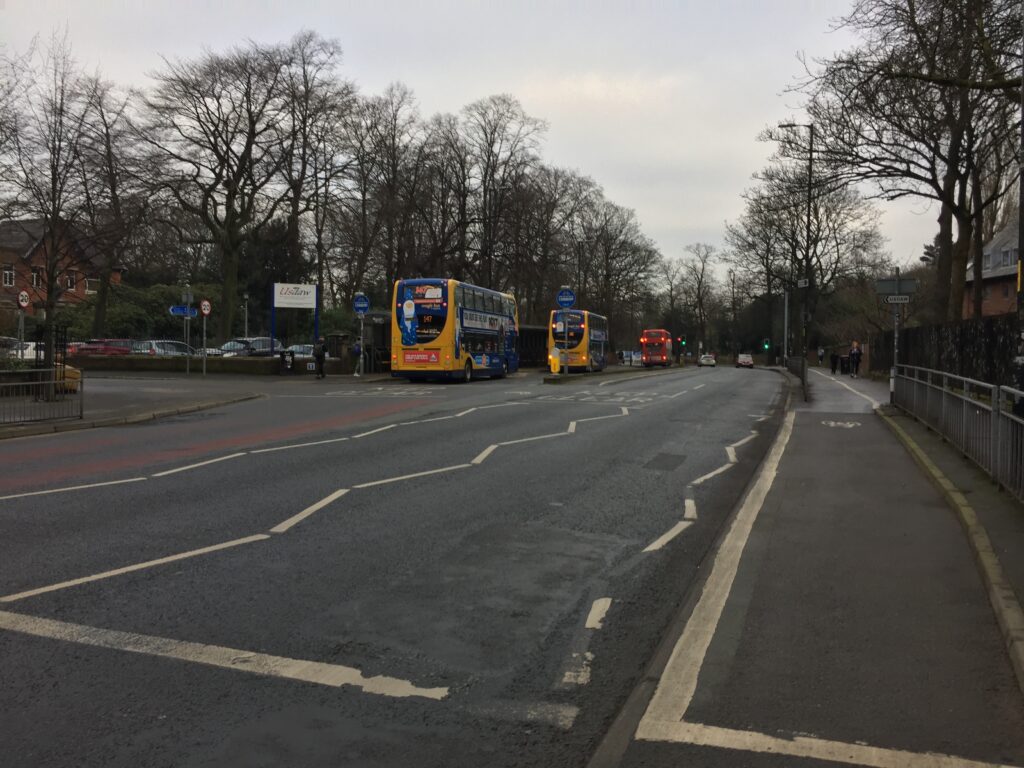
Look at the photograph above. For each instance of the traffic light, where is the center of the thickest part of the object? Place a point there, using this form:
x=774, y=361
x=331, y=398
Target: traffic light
x=767, y=343
x=682, y=340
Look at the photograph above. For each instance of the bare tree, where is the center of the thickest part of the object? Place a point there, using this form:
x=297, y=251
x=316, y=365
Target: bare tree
x=699, y=285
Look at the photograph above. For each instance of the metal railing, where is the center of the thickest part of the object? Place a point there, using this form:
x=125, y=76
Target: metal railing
x=975, y=417
x=40, y=395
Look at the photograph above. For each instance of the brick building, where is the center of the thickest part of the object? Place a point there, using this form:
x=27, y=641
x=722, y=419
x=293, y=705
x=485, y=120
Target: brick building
x=998, y=275
x=23, y=260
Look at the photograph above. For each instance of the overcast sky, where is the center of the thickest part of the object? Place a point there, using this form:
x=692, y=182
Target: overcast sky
x=660, y=102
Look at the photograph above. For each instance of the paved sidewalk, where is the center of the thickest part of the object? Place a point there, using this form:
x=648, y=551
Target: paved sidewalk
x=845, y=618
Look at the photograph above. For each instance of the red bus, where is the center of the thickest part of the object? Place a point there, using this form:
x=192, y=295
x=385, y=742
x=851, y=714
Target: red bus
x=656, y=347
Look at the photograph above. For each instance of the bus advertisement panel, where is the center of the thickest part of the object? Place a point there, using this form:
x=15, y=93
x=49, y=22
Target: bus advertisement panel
x=449, y=329
x=656, y=347
x=582, y=334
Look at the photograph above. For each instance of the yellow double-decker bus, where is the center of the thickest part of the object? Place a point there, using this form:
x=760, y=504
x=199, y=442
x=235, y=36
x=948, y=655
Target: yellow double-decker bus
x=442, y=328
x=583, y=336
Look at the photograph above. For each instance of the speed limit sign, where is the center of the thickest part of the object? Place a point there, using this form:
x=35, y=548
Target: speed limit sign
x=205, y=307
x=23, y=299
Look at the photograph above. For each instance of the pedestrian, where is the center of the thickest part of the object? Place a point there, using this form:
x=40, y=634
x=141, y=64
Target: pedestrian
x=821, y=355
x=855, y=353
x=319, y=355
x=834, y=360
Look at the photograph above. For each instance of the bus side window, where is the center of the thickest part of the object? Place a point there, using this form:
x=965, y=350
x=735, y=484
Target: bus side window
x=460, y=296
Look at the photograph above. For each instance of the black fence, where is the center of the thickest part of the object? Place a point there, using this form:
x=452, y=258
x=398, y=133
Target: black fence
x=975, y=349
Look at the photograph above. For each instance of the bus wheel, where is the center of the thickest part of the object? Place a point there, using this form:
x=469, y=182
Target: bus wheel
x=467, y=372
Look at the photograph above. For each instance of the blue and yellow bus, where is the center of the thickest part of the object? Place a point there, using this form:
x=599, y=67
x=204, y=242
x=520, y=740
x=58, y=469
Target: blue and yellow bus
x=582, y=334
x=443, y=328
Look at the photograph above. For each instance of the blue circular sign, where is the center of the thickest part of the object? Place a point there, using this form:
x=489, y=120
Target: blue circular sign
x=361, y=303
x=566, y=298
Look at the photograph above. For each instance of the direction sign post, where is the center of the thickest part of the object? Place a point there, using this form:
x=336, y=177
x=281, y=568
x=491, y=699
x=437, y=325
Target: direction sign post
x=23, y=301
x=205, y=307
x=361, y=305
x=897, y=298
x=566, y=298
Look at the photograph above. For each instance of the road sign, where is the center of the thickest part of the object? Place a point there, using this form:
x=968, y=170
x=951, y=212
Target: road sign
x=180, y=310
x=205, y=307
x=803, y=282
x=361, y=304
x=889, y=285
x=23, y=299
x=566, y=297
x=897, y=298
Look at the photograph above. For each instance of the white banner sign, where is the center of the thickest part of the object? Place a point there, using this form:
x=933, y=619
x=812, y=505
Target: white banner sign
x=294, y=296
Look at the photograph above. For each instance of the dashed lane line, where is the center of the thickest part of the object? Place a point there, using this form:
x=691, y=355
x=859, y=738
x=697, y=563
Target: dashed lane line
x=301, y=445
x=713, y=473
x=690, y=507
x=388, y=480
x=698, y=386
x=666, y=537
x=198, y=465
x=296, y=519
x=136, y=567
x=73, y=488
x=385, y=428
x=319, y=673
x=595, y=619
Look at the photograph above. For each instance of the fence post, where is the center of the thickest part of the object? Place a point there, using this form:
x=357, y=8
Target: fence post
x=997, y=407
x=81, y=396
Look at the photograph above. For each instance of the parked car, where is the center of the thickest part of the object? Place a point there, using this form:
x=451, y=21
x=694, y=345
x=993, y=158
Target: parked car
x=301, y=350
x=744, y=360
x=103, y=347
x=162, y=347
x=706, y=360
x=253, y=346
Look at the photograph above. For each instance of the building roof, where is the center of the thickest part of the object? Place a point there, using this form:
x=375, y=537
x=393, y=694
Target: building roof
x=22, y=235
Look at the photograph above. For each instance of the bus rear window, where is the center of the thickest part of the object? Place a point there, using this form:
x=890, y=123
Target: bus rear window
x=575, y=329
x=422, y=310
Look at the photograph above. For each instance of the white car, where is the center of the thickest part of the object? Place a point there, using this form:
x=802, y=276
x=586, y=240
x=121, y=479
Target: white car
x=706, y=360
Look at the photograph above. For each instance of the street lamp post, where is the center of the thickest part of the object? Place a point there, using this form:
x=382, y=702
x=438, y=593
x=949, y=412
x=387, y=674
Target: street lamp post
x=805, y=272
x=245, y=307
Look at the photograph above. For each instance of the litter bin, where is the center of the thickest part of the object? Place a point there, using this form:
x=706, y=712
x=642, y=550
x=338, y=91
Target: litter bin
x=844, y=365
x=287, y=362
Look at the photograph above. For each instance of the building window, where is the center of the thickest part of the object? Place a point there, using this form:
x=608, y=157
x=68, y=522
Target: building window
x=91, y=285
x=37, y=277
x=1006, y=258
x=8, y=275
x=986, y=262
x=69, y=281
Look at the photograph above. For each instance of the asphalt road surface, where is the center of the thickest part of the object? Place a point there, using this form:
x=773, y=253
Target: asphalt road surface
x=369, y=575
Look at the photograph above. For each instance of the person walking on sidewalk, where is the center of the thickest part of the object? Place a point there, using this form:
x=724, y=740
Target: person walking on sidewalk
x=855, y=353
x=834, y=360
x=821, y=355
x=319, y=355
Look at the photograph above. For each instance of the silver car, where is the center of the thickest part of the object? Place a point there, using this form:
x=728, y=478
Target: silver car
x=162, y=347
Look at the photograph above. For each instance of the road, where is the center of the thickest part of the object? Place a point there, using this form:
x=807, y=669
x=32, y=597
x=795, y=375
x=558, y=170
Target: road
x=374, y=575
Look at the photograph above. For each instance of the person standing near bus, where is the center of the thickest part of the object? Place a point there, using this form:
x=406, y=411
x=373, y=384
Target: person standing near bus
x=319, y=355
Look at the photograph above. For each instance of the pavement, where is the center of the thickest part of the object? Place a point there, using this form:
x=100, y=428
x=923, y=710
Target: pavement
x=863, y=608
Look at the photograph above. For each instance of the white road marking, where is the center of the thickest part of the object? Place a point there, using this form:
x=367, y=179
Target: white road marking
x=196, y=466
x=578, y=672
x=572, y=428
x=374, y=431
x=463, y=413
x=677, y=394
x=482, y=456
x=531, y=439
x=136, y=567
x=690, y=507
x=874, y=403
x=595, y=619
x=319, y=673
x=300, y=445
x=698, y=386
x=666, y=537
x=624, y=412
x=296, y=519
x=412, y=476
x=745, y=440
x=800, y=746
x=679, y=679
x=731, y=453
x=501, y=405
x=713, y=473
x=73, y=488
